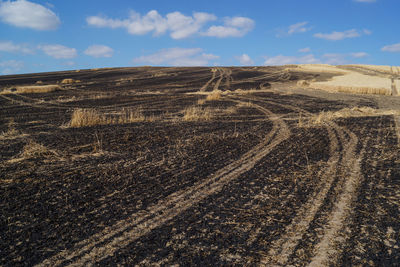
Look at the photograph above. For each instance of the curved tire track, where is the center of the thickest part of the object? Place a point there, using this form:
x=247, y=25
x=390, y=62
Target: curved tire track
x=111, y=239
x=204, y=87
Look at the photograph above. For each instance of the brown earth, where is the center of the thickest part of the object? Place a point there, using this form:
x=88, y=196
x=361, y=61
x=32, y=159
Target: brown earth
x=267, y=179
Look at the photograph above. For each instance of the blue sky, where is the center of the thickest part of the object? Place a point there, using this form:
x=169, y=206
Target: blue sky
x=38, y=36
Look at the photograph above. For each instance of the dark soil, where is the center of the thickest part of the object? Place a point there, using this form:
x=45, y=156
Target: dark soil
x=60, y=186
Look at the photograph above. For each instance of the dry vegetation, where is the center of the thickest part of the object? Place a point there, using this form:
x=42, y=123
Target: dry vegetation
x=90, y=117
x=12, y=132
x=326, y=116
x=32, y=89
x=214, y=95
x=352, y=89
x=70, y=81
x=34, y=150
x=196, y=113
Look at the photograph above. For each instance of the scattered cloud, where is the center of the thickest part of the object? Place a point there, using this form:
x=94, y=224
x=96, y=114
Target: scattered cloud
x=336, y=36
x=359, y=54
x=245, y=60
x=285, y=60
x=99, y=51
x=178, y=25
x=391, y=48
x=25, y=14
x=305, y=50
x=10, y=47
x=11, y=66
x=298, y=28
x=177, y=57
x=59, y=51
x=233, y=27
x=328, y=58
x=365, y=1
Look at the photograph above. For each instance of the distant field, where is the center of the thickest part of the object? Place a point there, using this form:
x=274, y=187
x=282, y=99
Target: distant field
x=271, y=166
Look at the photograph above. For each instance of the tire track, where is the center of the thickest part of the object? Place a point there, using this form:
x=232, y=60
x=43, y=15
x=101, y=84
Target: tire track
x=283, y=248
x=228, y=78
x=121, y=234
x=325, y=252
x=221, y=77
x=397, y=124
x=204, y=87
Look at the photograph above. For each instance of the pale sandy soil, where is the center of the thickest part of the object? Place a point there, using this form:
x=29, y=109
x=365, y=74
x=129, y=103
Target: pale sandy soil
x=353, y=80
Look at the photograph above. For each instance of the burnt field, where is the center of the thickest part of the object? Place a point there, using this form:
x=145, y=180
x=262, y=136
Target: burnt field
x=195, y=166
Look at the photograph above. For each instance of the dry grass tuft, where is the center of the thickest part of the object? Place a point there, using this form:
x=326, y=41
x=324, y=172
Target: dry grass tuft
x=35, y=150
x=351, y=112
x=86, y=117
x=214, y=95
x=303, y=83
x=11, y=133
x=197, y=113
x=201, y=101
x=70, y=81
x=30, y=89
x=354, y=90
x=90, y=117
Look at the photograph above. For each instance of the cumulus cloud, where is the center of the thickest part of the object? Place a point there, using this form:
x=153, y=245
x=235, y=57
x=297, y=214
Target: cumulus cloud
x=10, y=47
x=285, y=60
x=11, y=66
x=25, y=14
x=336, y=36
x=59, y=51
x=99, y=51
x=391, y=48
x=245, y=60
x=177, y=57
x=305, y=50
x=233, y=27
x=178, y=25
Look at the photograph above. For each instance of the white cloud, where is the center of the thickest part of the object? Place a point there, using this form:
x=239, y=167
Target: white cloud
x=298, y=28
x=59, y=51
x=365, y=1
x=391, y=48
x=328, y=58
x=99, y=51
x=359, y=54
x=336, y=36
x=305, y=50
x=10, y=47
x=285, y=60
x=25, y=14
x=245, y=60
x=177, y=57
x=177, y=24
x=11, y=66
x=233, y=27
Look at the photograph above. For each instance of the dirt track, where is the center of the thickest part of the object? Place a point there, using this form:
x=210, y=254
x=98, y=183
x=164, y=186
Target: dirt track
x=260, y=183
